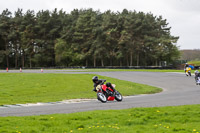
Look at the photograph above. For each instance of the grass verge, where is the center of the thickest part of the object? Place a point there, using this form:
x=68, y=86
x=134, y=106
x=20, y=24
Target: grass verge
x=19, y=88
x=179, y=119
x=113, y=70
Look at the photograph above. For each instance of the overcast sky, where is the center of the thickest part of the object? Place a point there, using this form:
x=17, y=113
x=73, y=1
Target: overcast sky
x=183, y=16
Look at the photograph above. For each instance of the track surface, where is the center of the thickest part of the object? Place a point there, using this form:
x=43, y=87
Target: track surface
x=178, y=90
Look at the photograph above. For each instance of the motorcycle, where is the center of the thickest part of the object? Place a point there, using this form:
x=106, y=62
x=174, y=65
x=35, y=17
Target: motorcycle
x=105, y=94
x=188, y=71
x=198, y=81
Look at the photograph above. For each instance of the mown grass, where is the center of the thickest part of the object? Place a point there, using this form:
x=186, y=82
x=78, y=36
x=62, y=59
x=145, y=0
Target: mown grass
x=179, y=119
x=113, y=70
x=19, y=88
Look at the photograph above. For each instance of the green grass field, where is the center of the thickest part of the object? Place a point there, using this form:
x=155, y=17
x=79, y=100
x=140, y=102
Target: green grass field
x=19, y=88
x=113, y=70
x=180, y=119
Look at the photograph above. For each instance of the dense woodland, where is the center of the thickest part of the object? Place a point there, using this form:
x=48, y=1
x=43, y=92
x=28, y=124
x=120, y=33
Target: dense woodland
x=84, y=38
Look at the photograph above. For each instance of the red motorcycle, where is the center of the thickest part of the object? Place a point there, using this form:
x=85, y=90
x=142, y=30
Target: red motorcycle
x=105, y=94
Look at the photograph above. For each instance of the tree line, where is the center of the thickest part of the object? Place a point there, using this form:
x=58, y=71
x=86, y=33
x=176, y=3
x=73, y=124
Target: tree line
x=84, y=37
x=190, y=55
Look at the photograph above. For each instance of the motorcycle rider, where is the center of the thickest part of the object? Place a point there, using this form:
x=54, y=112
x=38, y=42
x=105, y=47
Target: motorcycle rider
x=197, y=74
x=186, y=65
x=98, y=81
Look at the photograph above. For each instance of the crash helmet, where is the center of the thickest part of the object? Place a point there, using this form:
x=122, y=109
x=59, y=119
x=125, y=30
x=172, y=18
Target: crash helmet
x=196, y=72
x=94, y=79
x=186, y=65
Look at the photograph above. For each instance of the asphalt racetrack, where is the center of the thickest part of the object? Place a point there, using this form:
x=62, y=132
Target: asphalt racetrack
x=177, y=90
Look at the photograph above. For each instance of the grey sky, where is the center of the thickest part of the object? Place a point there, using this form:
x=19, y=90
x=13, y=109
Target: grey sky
x=182, y=15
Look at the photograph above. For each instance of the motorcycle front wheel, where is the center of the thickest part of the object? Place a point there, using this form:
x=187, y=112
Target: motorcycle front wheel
x=118, y=97
x=101, y=97
x=189, y=73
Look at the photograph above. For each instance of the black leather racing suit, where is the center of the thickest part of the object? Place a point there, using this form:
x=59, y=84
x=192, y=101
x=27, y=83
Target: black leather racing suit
x=100, y=82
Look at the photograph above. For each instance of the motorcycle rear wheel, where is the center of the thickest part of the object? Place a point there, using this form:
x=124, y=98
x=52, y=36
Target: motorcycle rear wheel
x=101, y=97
